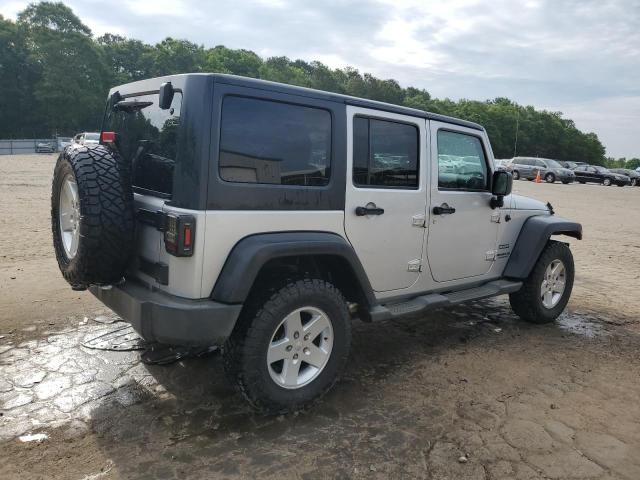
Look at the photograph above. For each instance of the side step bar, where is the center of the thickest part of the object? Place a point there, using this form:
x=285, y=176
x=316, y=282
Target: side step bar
x=436, y=300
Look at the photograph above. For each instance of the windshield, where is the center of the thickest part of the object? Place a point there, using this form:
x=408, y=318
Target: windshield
x=554, y=164
x=92, y=136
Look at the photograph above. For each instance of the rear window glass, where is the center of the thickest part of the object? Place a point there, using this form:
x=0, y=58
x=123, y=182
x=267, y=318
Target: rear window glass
x=147, y=137
x=263, y=141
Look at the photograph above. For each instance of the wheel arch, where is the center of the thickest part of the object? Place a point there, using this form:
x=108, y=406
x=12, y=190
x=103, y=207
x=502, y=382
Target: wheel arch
x=311, y=252
x=534, y=236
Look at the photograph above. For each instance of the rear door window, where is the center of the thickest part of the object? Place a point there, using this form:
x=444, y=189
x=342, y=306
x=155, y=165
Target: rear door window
x=385, y=154
x=147, y=136
x=264, y=141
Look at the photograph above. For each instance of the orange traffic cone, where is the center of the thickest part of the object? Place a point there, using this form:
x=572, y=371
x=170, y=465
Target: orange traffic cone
x=538, y=179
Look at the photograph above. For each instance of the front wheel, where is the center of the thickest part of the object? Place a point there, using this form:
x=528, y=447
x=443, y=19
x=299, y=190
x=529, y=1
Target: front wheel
x=634, y=182
x=515, y=174
x=289, y=349
x=545, y=293
x=550, y=178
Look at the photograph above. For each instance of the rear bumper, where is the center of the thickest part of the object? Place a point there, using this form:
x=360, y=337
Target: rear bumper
x=164, y=318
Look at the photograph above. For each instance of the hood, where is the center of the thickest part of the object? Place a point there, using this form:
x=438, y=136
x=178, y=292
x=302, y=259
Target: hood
x=520, y=202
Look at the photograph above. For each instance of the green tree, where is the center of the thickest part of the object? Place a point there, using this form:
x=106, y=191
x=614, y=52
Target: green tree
x=56, y=76
x=18, y=75
x=71, y=74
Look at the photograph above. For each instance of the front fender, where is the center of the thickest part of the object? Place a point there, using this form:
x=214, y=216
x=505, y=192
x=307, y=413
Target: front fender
x=533, y=237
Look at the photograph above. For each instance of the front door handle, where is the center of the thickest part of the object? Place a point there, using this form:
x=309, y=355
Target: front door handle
x=443, y=209
x=370, y=209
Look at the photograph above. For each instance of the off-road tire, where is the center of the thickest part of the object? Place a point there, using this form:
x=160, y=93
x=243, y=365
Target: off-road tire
x=516, y=175
x=244, y=353
x=527, y=303
x=107, y=227
x=550, y=178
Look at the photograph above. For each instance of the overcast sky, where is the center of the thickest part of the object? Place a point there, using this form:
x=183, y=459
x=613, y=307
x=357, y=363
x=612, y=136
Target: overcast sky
x=580, y=57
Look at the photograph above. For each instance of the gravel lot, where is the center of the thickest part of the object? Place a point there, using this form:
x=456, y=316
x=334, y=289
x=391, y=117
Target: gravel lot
x=465, y=393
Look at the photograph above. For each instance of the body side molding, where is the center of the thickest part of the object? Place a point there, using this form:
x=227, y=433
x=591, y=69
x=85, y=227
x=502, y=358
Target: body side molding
x=533, y=237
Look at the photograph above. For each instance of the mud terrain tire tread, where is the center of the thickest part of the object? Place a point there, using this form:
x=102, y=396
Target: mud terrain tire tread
x=107, y=226
x=245, y=351
x=526, y=302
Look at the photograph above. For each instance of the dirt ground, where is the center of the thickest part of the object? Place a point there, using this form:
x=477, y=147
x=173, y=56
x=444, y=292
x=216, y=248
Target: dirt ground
x=467, y=393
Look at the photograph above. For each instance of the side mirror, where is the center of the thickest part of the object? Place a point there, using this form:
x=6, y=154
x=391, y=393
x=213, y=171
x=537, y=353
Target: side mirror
x=502, y=183
x=165, y=96
x=500, y=187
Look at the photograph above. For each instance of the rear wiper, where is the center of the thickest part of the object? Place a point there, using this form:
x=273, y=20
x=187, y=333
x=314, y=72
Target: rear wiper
x=131, y=105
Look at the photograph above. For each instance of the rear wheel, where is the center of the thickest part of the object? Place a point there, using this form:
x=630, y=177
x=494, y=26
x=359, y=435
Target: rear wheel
x=606, y=182
x=545, y=293
x=515, y=174
x=634, y=182
x=289, y=349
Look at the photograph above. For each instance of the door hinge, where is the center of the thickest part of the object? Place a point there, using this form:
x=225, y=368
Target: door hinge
x=418, y=221
x=414, y=266
x=490, y=256
x=157, y=219
x=495, y=217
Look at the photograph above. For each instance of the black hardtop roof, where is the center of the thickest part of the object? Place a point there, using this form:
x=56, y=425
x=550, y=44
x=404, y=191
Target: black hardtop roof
x=144, y=85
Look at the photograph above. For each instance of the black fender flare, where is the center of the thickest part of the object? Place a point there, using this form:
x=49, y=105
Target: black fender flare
x=534, y=235
x=251, y=253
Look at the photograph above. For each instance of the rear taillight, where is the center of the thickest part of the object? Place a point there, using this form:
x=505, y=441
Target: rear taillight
x=179, y=234
x=108, y=137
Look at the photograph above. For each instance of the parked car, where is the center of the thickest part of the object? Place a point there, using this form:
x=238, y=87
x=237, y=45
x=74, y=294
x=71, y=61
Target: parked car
x=501, y=163
x=598, y=174
x=267, y=239
x=64, y=142
x=634, y=176
x=86, y=138
x=550, y=170
x=45, y=147
x=569, y=165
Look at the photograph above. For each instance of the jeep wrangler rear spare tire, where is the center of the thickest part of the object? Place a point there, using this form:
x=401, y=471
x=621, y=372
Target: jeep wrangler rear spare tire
x=289, y=348
x=92, y=217
x=545, y=293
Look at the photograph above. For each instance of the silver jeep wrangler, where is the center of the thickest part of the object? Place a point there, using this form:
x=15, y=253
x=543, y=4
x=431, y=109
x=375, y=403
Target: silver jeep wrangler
x=221, y=210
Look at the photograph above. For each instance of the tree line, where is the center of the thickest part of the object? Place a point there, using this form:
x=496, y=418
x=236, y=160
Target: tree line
x=55, y=77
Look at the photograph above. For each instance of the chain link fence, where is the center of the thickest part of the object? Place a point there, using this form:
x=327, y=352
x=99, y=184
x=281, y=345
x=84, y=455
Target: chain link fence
x=25, y=146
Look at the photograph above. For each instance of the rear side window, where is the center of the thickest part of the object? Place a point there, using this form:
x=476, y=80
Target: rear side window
x=385, y=154
x=466, y=168
x=263, y=141
x=147, y=137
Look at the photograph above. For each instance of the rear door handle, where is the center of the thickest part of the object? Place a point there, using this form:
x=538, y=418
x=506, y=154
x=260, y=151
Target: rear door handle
x=370, y=209
x=443, y=209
